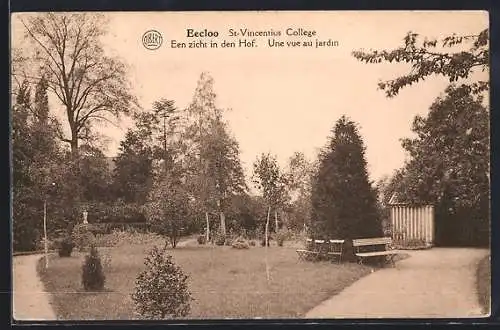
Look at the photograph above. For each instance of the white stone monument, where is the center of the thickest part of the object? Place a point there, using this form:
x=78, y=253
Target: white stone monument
x=85, y=214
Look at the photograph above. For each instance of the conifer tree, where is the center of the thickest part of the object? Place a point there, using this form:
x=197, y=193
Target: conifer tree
x=344, y=204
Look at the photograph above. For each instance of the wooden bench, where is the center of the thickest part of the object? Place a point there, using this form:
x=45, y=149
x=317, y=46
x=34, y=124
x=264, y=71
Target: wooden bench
x=362, y=243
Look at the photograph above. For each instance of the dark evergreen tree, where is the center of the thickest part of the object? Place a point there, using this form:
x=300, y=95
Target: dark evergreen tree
x=344, y=204
x=95, y=176
x=23, y=226
x=134, y=165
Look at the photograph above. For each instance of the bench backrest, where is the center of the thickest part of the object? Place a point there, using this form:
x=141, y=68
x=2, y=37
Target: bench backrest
x=372, y=241
x=335, y=245
x=320, y=245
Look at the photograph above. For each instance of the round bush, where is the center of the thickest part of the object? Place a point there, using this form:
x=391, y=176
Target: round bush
x=281, y=237
x=66, y=246
x=202, y=239
x=93, y=277
x=240, y=243
x=228, y=241
x=220, y=240
x=161, y=290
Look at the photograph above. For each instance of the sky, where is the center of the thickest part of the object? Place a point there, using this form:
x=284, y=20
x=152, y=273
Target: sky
x=282, y=100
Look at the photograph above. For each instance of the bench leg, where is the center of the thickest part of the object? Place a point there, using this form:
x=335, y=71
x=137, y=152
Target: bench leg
x=391, y=260
x=360, y=260
x=301, y=256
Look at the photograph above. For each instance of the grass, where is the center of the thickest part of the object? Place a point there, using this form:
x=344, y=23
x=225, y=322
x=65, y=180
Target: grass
x=483, y=283
x=225, y=282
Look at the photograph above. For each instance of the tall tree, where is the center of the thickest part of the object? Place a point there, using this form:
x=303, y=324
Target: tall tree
x=133, y=171
x=167, y=208
x=211, y=153
x=271, y=181
x=221, y=157
x=445, y=57
x=299, y=176
x=35, y=156
x=344, y=204
x=91, y=85
x=449, y=167
x=165, y=112
x=24, y=234
x=95, y=175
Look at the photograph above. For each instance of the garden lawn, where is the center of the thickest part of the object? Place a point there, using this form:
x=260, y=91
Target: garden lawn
x=225, y=283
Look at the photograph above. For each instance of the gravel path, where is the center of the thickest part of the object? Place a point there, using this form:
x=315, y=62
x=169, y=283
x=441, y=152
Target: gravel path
x=435, y=283
x=30, y=301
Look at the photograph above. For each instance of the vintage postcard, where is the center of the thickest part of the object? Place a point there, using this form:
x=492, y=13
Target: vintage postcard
x=250, y=165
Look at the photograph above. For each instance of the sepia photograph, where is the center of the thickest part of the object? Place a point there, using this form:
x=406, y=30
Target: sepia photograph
x=250, y=165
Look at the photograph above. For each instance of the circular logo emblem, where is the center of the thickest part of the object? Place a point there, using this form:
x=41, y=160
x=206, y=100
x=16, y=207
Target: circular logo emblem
x=152, y=39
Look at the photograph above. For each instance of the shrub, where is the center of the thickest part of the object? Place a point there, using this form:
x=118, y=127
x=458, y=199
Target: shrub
x=161, y=290
x=263, y=241
x=281, y=236
x=228, y=241
x=93, y=277
x=220, y=239
x=51, y=244
x=202, y=239
x=252, y=243
x=240, y=243
x=66, y=246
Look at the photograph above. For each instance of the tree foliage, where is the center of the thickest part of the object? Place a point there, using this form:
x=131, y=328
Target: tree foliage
x=270, y=179
x=67, y=49
x=212, y=155
x=35, y=157
x=299, y=176
x=454, y=57
x=168, y=209
x=449, y=166
x=344, y=204
x=272, y=182
x=133, y=170
x=95, y=175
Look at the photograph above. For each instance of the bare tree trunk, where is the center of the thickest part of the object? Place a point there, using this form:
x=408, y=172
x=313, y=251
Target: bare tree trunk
x=208, y=227
x=74, y=147
x=267, y=242
x=275, y=221
x=267, y=225
x=223, y=223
